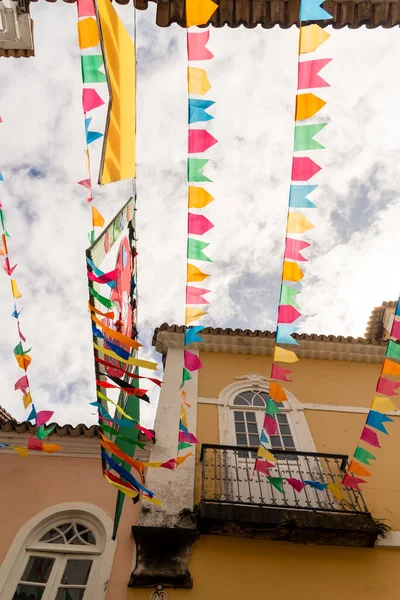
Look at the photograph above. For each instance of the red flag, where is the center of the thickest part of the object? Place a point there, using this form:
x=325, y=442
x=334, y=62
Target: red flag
x=194, y=295
x=22, y=384
x=278, y=373
x=86, y=183
x=7, y=268
x=395, y=330
x=198, y=224
x=352, y=482
x=303, y=168
x=199, y=140
x=387, y=387
x=293, y=248
x=34, y=443
x=287, y=313
x=263, y=466
x=308, y=74
x=196, y=46
x=270, y=425
x=169, y=464
x=370, y=436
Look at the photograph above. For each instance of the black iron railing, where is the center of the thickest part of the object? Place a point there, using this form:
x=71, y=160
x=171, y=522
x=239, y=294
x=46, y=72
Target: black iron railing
x=228, y=476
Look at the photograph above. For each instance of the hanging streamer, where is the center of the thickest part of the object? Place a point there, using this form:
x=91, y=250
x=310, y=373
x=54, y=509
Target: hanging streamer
x=306, y=139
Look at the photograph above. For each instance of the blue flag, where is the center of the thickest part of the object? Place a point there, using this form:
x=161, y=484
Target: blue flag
x=310, y=10
x=376, y=419
x=298, y=196
x=191, y=335
x=124, y=474
x=197, y=110
x=32, y=414
x=283, y=334
x=316, y=484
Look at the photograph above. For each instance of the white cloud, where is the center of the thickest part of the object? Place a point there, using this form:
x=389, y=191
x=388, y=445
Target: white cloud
x=352, y=264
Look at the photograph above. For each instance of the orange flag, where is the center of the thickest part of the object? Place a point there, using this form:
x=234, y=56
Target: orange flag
x=97, y=218
x=390, y=367
x=357, y=469
x=277, y=392
x=194, y=273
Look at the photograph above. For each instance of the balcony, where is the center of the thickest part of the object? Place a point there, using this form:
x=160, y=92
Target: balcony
x=236, y=500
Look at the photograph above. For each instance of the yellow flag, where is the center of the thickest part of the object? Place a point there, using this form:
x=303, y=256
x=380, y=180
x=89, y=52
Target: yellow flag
x=88, y=33
x=198, y=197
x=192, y=314
x=23, y=360
x=118, y=159
x=282, y=355
x=311, y=37
x=336, y=491
x=264, y=453
x=97, y=218
x=50, y=448
x=27, y=400
x=86, y=151
x=21, y=450
x=184, y=416
x=121, y=488
x=194, y=273
x=307, y=105
x=153, y=500
x=199, y=13
x=14, y=288
x=292, y=271
x=390, y=367
x=136, y=362
x=383, y=404
x=297, y=223
x=198, y=81
x=119, y=409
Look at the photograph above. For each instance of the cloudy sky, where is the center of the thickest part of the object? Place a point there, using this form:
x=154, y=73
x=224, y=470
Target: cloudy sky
x=353, y=260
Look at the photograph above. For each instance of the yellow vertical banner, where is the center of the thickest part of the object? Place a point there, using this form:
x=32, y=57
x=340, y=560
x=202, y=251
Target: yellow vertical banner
x=119, y=149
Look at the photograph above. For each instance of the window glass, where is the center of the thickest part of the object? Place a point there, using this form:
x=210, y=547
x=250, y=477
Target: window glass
x=246, y=429
x=38, y=569
x=70, y=594
x=28, y=592
x=69, y=533
x=76, y=572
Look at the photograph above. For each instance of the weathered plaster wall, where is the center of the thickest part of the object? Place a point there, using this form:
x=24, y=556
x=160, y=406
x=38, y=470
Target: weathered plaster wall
x=30, y=485
x=243, y=569
x=314, y=381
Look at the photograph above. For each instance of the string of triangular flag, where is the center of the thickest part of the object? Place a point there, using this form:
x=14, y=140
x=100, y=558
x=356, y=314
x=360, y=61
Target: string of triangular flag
x=199, y=141
x=91, y=63
x=303, y=169
x=381, y=404
x=23, y=357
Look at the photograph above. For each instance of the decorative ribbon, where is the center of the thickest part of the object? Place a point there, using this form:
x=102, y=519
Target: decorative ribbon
x=380, y=405
x=303, y=169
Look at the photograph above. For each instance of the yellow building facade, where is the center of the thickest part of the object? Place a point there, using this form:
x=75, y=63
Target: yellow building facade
x=223, y=530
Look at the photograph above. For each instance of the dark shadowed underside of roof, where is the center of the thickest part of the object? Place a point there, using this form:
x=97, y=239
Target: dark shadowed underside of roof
x=284, y=13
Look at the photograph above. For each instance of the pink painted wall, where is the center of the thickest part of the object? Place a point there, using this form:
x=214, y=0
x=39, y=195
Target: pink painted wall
x=30, y=485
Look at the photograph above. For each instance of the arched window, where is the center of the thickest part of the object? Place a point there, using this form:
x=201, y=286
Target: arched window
x=61, y=558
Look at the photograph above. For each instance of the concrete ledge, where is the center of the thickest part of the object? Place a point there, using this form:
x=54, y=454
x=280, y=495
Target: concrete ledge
x=299, y=526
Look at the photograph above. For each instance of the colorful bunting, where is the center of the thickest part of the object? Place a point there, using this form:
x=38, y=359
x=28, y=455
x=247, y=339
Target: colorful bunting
x=363, y=455
x=199, y=141
x=277, y=482
x=198, y=224
x=198, y=197
x=382, y=404
x=194, y=170
x=310, y=10
x=88, y=33
x=292, y=272
x=287, y=293
x=387, y=387
x=194, y=274
x=357, y=469
x=370, y=437
x=304, y=137
x=195, y=250
x=199, y=13
x=393, y=349
x=303, y=168
x=287, y=313
x=197, y=108
x=308, y=74
x=194, y=295
x=297, y=223
x=191, y=361
x=90, y=64
x=278, y=373
x=307, y=105
x=311, y=38
x=192, y=314
x=296, y=484
x=90, y=101
x=282, y=355
x=293, y=248
x=198, y=82
x=284, y=335
x=376, y=420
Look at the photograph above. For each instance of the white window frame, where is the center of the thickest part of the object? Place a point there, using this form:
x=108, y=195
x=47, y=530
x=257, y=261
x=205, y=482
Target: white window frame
x=26, y=544
x=301, y=434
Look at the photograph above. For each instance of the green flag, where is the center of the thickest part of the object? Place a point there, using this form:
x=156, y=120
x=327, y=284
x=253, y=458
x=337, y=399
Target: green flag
x=363, y=455
x=277, y=482
x=287, y=293
x=195, y=250
x=194, y=167
x=272, y=408
x=113, y=431
x=303, y=137
x=91, y=64
x=183, y=445
x=42, y=433
x=186, y=375
x=19, y=351
x=3, y=223
x=393, y=350
x=104, y=301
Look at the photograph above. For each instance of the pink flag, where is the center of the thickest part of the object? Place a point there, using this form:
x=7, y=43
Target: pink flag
x=169, y=464
x=187, y=437
x=296, y=484
x=90, y=99
x=270, y=425
x=352, y=482
x=387, y=387
x=23, y=338
x=263, y=466
x=43, y=416
x=278, y=373
x=145, y=431
x=370, y=436
x=395, y=330
x=303, y=168
x=106, y=278
x=293, y=248
x=6, y=266
x=198, y=224
x=22, y=384
x=199, y=140
x=196, y=46
x=287, y=313
x=194, y=295
x=86, y=8
x=191, y=361
x=34, y=443
x=308, y=74
x=86, y=183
